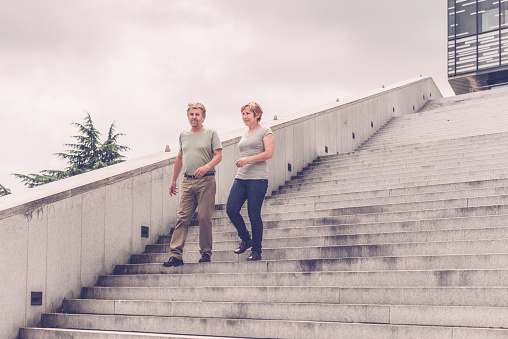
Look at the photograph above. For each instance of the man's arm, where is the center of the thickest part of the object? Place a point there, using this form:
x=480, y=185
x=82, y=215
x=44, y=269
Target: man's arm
x=173, y=190
x=214, y=162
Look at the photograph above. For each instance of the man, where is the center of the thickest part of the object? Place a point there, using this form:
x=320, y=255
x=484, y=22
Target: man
x=200, y=151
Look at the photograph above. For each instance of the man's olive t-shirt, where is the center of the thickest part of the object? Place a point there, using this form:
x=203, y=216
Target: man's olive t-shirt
x=197, y=149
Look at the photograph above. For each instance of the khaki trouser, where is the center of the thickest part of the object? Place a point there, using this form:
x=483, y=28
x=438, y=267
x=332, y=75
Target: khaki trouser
x=195, y=192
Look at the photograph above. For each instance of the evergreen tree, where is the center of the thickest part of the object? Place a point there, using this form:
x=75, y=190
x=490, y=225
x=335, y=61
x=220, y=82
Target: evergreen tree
x=4, y=190
x=110, y=150
x=85, y=155
x=43, y=177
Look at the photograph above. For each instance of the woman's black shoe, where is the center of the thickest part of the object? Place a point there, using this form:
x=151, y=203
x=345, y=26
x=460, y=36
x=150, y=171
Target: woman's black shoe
x=173, y=262
x=254, y=256
x=244, y=246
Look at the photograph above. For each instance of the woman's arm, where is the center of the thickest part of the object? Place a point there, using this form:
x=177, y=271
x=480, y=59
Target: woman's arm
x=268, y=141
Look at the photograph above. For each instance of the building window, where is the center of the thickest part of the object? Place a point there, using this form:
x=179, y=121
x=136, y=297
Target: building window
x=504, y=13
x=465, y=18
x=488, y=15
x=504, y=47
x=451, y=19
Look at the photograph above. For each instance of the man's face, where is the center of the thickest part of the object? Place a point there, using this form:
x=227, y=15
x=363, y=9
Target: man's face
x=195, y=117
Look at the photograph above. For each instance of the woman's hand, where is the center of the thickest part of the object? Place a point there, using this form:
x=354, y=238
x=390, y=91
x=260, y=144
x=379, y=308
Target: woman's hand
x=242, y=162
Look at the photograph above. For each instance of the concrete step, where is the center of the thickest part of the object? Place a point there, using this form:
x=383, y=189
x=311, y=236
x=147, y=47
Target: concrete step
x=366, y=191
x=417, y=129
x=336, y=226
x=379, y=183
x=345, y=232
x=438, y=167
x=408, y=194
x=329, y=312
x=402, y=164
x=443, y=125
x=489, y=296
x=441, y=120
x=413, y=155
x=45, y=333
x=357, y=207
x=259, y=328
x=414, y=137
x=379, y=197
x=300, y=237
x=384, y=180
x=376, y=214
x=490, y=144
x=480, y=246
x=404, y=175
x=392, y=263
x=430, y=278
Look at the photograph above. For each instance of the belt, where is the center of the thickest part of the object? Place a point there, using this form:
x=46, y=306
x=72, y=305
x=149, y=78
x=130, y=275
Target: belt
x=193, y=177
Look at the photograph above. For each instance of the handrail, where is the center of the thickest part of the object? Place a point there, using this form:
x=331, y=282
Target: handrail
x=486, y=87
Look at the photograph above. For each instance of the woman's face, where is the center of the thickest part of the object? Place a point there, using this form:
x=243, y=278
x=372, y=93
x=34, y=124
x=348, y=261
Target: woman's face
x=249, y=118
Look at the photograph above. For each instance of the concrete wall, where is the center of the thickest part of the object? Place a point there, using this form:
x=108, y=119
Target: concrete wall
x=61, y=236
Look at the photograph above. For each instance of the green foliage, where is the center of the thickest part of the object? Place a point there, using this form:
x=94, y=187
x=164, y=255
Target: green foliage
x=4, y=190
x=110, y=150
x=87, y=154
x=43, y=177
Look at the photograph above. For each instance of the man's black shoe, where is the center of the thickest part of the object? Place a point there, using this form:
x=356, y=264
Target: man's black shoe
x=205, y=258
x=173, y=262
x=244, y=246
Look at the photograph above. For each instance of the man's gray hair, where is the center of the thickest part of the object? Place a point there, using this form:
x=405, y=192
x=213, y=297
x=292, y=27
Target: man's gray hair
x=197, y=105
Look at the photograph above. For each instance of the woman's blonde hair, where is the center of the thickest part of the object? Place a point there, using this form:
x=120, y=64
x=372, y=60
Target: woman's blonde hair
x=255, y=108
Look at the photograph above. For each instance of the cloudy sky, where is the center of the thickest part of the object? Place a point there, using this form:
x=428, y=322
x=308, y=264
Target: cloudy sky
x=139, y=62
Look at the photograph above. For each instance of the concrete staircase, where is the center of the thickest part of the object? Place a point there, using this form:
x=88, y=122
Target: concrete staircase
x=405, y=238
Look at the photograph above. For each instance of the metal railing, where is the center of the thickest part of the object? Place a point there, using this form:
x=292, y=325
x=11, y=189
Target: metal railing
x=487, y=87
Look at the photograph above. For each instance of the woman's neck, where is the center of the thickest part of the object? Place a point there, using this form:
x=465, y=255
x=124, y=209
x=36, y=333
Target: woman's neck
x=254, y=127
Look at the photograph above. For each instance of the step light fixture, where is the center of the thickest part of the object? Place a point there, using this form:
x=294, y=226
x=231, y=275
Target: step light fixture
x=145, y=231
x=36, y=298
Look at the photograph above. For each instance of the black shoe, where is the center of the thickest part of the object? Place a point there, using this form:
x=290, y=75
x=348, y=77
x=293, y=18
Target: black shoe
x=244, y=246
x=205, y=258
x=173, y=262
x=254, y=256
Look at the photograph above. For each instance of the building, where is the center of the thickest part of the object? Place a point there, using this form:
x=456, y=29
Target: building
x=477, y=44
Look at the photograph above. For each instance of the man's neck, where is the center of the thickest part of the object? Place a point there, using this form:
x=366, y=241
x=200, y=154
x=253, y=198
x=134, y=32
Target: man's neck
x=196, y=130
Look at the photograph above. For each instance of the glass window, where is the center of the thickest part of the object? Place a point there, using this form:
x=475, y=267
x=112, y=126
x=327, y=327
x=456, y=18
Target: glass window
x=488, y=15
x=488, y=50
x=451, y=58
x=465, y=57
x=451, y=19
x=504, y=13
x=465, y=17
x=504, y=47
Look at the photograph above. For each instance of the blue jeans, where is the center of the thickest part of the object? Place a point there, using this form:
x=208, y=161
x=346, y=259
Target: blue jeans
x=254, y=192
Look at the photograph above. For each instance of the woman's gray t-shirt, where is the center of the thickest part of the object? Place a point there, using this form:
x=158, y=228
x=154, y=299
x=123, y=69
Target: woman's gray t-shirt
x=249, y=146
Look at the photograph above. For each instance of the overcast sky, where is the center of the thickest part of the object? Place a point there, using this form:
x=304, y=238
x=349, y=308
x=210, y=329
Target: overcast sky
x=139, y=62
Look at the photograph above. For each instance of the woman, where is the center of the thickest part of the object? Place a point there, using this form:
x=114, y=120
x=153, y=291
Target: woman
x=256, y=146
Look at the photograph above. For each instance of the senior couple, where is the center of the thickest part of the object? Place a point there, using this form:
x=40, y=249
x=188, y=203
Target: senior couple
x=200, y=151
